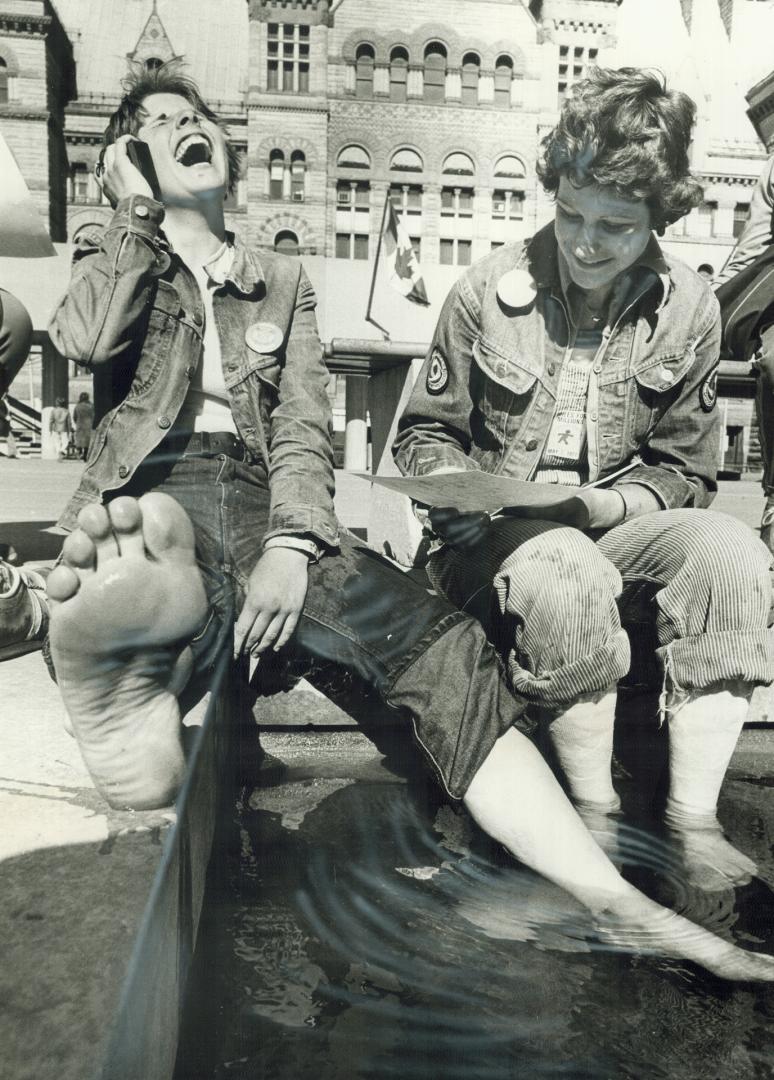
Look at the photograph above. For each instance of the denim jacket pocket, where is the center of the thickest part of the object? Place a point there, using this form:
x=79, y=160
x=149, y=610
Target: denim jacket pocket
x=665, y=372
x=501, y=390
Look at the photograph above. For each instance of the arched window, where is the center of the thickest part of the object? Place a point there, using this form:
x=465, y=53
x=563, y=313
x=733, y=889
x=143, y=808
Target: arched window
x=286, y=242
x=406, y=161
x=741, y=214
x=435, y=73
x=503, y=77
x=276, y=174
x=153, y=63
x=297, y=176
x=457, y=190
x=510, y=167
x=471, y=68
x=353, y=157
x=364, y=71
x=399, y=59
x=458, y=165
x=79, y=182
x=3, y=81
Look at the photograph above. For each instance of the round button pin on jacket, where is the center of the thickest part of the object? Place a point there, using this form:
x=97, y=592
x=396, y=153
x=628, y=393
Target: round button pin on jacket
x=517, y=289
x=264, y=337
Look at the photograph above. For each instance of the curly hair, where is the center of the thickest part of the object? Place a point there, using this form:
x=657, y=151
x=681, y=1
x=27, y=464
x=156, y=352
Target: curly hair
x=167, y=78
x=623, y=129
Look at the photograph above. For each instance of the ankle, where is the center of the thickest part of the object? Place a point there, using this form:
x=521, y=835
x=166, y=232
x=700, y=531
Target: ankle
x=682, y=817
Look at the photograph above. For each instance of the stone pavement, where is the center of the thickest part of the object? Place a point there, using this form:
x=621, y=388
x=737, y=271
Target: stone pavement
x=89, y=894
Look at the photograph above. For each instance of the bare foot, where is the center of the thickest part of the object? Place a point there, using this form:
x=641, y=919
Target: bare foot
x=711, y=862
x=125, y=602
x=641, y=926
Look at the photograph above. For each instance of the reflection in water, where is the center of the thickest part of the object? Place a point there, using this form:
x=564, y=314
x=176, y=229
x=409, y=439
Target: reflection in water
x=383, y=939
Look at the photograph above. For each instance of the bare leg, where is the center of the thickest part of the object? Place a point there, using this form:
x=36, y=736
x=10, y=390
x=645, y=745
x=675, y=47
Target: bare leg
x=582, y=739
x=517, y=800
x=703, y=732
x=125, y=602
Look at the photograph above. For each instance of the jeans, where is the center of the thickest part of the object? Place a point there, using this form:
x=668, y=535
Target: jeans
x=422, y=656
x=691, y=587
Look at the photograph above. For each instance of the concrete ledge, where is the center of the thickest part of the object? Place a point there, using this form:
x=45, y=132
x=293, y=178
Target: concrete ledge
x=99, y=908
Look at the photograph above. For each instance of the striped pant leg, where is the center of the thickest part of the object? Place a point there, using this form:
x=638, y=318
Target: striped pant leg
x=764, y=408
x=711, y=595
x=548, y=599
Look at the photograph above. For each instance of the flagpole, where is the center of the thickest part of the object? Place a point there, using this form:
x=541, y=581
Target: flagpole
x=376, y=267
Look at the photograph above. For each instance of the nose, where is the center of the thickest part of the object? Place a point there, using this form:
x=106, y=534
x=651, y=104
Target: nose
x=186, y=116
x=586, y=241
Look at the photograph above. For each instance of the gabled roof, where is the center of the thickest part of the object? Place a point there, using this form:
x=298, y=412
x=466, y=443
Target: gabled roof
x=153, y=41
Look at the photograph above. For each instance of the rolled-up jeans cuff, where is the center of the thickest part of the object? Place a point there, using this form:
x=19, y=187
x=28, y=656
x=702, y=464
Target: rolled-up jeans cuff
x=698, y=662
x=602, y=668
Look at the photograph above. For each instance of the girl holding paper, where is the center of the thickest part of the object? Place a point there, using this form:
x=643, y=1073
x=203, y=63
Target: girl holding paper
x=588, y=353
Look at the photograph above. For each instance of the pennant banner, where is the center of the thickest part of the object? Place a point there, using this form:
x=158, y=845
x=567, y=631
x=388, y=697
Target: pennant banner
x=403, y=268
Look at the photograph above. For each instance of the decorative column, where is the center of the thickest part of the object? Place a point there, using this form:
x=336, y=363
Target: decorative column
x=415, y=81
x=382, y=79
x=486, y=88
x=453, y=90
x=356, y=423
x=349, y=78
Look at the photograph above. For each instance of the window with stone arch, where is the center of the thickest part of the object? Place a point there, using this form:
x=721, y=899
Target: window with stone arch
x=399, y=61
x=471, y=71
x=405, y=193
x=353, y=157
x=276, y=174
x=364, y=70
x=298, y=176
x=503, y=78
x=286, y=242
x=434, y=90
x=153, y=63
x=4, y=80
x=508, y=193
x=87, y=229
x=457, y=186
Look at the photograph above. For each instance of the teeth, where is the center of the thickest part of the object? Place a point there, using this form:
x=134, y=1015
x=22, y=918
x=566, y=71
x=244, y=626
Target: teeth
x=189, y=141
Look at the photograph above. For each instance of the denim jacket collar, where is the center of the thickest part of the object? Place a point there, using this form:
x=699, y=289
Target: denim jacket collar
x=550, y=271
x=245, y=272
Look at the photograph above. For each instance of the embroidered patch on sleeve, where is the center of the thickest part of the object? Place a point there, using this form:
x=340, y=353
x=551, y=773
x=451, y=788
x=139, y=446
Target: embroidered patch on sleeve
x=437, y=373
x=708, y=392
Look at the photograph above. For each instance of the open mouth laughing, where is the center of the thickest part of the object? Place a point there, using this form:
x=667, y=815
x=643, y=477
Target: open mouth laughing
x=194, y=149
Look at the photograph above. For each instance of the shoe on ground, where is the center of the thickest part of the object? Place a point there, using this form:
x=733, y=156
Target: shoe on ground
x=23, y=610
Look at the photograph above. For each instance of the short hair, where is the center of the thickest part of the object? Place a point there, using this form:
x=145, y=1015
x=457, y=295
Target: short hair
x=61, y=401
x=166, y=78
x=623, y=129
x=83, y=396
x=708, y=268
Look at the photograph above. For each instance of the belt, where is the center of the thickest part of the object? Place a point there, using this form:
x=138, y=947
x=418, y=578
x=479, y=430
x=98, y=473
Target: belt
x=208, y=444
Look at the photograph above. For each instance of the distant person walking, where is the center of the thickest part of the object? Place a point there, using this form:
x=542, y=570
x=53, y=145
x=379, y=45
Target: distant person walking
x=83, y=415
x=60, y=425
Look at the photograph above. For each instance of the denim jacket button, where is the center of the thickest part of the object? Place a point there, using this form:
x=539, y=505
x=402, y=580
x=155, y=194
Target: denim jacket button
x=123, y=471
x=531, y=445
x=551, y=369
x=190, y=370
x=141, y=211
x=501, y=369
x=198, y=318
x=164, y=422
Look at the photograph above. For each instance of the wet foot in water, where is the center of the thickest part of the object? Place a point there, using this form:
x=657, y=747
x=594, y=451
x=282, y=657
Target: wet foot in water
x=125, y=602
x=711, y=862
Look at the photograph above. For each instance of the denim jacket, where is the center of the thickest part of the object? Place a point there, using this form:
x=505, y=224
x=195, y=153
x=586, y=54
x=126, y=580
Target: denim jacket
x=134, y=305
x=485, y=397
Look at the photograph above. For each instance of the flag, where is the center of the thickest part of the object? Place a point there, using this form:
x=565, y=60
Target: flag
x=403, y=269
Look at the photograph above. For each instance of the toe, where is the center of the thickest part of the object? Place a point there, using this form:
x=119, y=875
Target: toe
x=94, y=520
x=167, y=529
x=79, y=552
x=127, y=521
x=62, y=584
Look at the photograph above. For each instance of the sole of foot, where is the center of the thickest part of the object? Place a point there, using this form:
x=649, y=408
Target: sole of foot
x=125, y=602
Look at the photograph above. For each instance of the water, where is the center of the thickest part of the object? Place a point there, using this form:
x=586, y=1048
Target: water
x=357, y=928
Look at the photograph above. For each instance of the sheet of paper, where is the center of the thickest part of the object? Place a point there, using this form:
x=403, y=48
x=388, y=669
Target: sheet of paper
x=473, y=490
